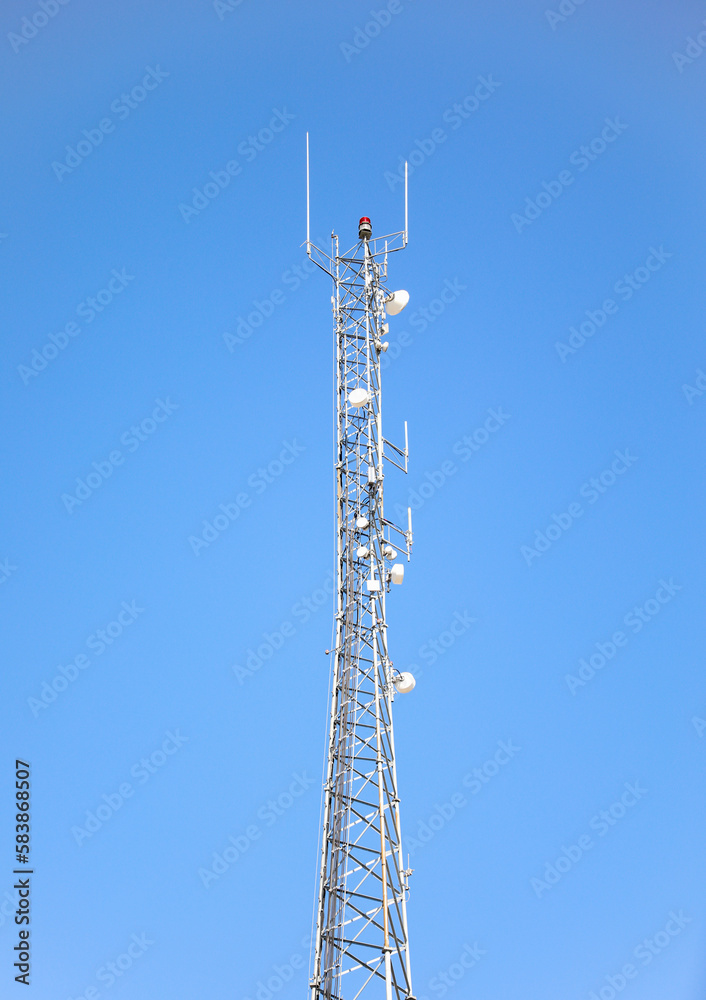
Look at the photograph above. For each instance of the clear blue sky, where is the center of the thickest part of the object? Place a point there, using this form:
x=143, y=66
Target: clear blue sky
x=153, y=198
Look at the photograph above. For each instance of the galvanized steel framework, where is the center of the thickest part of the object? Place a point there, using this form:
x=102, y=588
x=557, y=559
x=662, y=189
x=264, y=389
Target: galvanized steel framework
x=361, y=946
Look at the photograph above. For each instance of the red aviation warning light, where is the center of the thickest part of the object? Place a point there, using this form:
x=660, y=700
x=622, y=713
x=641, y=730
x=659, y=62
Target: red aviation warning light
x=365, y=230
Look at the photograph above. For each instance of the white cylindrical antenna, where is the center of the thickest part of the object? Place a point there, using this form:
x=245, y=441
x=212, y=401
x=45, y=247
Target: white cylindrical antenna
x=406, y=225
x=406, y=446
x=307, y=191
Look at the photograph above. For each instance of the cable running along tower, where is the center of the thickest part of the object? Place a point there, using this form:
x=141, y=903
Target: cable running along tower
x=361, y=945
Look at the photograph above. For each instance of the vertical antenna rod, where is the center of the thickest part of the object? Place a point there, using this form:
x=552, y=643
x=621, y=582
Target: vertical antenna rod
x=406, y=199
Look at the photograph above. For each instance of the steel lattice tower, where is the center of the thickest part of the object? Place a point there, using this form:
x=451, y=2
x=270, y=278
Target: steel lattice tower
x=361, y=947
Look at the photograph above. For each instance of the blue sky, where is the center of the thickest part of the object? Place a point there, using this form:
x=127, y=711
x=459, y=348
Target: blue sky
x=165, y=346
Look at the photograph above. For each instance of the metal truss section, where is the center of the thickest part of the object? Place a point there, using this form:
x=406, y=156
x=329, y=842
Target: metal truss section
x=361, y=947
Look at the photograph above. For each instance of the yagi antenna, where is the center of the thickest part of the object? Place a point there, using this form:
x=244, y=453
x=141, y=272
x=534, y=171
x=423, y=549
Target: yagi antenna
x=406, y=201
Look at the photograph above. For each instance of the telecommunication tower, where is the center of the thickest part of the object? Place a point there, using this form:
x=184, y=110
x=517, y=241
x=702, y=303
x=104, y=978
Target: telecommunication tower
x=361, y=944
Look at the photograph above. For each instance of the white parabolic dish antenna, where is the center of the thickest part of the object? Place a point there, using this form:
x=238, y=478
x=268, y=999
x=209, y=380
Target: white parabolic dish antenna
x=396, y=302
x=358, y=397
x=404, y=683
